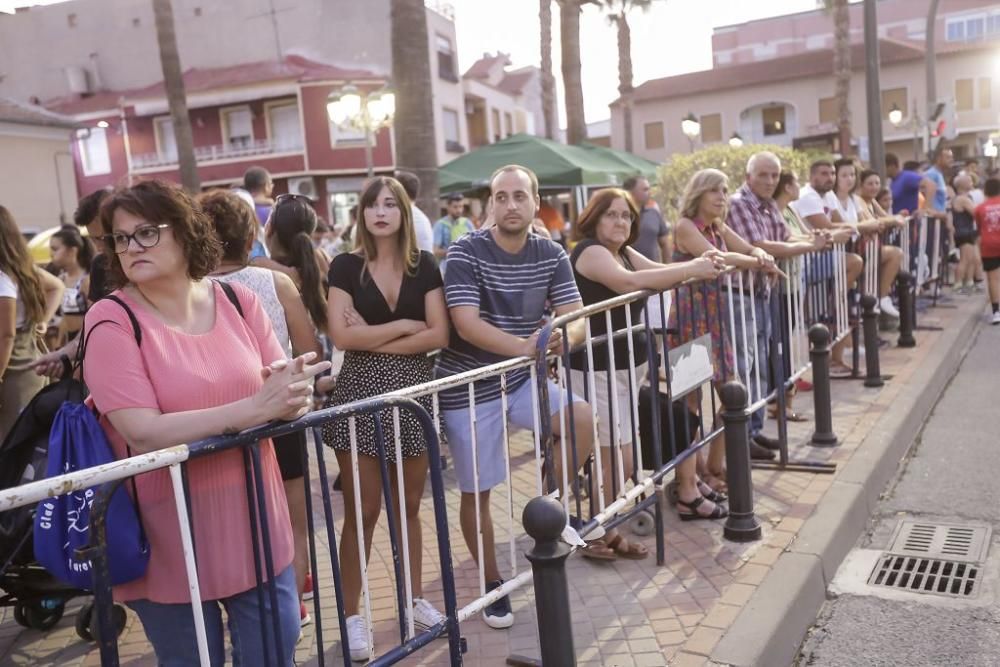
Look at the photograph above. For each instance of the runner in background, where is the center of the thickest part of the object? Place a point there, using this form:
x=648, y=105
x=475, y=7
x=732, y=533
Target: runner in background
x=988, y=222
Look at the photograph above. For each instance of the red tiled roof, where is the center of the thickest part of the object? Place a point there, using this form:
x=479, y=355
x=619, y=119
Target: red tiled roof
x=812, y=63
x=514, y=82
x=481, y=68
x=22, y=113
x=292, y=68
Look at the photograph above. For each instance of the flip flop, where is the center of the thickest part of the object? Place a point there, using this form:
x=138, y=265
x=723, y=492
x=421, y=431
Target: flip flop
x=599, y=550
x=628, y=551
x=840, y=371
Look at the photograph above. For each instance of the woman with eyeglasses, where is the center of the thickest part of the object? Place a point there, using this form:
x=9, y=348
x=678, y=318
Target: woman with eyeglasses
x=235, y=225
x=72, y=254
x=29, y=298
x=387, y=311
x=202, y=368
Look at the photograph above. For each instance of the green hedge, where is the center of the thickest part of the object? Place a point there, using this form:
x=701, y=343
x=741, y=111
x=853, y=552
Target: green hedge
x=674, y=175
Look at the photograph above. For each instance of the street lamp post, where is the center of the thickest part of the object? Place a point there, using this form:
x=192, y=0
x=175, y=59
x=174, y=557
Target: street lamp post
x=366, y=112
x=691, y=129
x=735, y=141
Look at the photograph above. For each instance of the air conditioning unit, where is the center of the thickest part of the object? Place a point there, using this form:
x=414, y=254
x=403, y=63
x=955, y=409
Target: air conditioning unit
x=78, y=79
x=303, y=185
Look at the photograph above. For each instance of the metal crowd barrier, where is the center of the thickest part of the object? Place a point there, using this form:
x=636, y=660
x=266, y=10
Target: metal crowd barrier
x=816, y=294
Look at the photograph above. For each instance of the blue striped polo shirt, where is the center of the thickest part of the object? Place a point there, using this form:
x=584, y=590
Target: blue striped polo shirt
x=513, y=293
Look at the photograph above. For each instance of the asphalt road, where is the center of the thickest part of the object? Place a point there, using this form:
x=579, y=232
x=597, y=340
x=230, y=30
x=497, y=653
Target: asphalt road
x=953, y=475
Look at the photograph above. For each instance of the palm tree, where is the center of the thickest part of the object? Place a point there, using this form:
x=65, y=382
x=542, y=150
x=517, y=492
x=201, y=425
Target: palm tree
x=548, y=81
x=929, y=63
x=618, y=17
x=842, y=69
x=173, y=82
x=569, y=36
x=413, y=128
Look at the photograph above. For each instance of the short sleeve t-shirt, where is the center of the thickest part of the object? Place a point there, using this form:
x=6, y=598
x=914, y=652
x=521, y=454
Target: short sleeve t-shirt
x=811, y=202
x=652, y=227
x=348, y=273
x=988, y=222
x=8, y=290
x=422, y=229
x=940, y=201
x=906, y=191
x=513, y=293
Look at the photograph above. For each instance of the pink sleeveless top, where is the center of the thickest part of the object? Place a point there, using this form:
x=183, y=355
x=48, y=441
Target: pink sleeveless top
x=175, y=372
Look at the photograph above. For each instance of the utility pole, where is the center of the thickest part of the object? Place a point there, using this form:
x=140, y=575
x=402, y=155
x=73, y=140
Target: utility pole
x=873, y=91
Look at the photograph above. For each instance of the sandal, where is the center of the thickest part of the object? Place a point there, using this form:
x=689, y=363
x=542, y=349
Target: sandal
x=709, y=493
x=841, y=370
x=719, y=512
x=599, y=550
x=716, y=482
x=627, y=550
x=790, y=415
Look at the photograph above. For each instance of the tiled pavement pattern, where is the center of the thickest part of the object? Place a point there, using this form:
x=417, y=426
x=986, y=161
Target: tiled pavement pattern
x=624, y=613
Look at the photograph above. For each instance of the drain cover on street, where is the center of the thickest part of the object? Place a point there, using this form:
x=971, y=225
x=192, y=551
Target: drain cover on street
x=941, y=540
x=927, y=575
x=936, y=558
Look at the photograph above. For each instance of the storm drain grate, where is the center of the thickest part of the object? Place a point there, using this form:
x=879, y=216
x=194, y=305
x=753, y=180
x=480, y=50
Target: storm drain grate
x=941, y=540
x=926, y=575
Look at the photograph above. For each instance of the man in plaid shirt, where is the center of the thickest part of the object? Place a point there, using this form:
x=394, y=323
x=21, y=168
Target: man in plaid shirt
x=754, y=216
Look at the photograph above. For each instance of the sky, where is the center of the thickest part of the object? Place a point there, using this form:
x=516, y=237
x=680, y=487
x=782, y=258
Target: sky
x=672, y=37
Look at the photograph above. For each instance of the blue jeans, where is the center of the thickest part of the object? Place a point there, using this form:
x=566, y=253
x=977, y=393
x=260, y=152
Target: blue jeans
x=170, y=627
x=752, y=358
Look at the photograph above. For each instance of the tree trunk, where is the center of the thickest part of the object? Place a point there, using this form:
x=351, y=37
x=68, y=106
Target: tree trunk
x=842, y=72
x=625, y=73
x=173, y=82
x=569, y=36
x=413, y=128
x=931, y=73
x=548, y=80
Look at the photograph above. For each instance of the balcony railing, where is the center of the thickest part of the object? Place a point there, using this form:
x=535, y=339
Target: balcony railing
x=223, y=152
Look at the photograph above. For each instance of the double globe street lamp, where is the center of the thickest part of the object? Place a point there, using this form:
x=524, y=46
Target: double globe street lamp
x=349, y=107
x=691, y=129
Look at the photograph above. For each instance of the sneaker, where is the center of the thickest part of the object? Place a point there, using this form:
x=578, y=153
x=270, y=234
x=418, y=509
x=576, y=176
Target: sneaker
x=996, y=318
x=357, y=637
x=304, y=617
x=978, y=286
x=887, y=307
x=499, y=614
x=425, y=615
x=307, y=587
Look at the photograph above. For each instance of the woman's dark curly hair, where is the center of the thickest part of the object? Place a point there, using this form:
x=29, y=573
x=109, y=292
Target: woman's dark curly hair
x=234, y=220
x=159, y=202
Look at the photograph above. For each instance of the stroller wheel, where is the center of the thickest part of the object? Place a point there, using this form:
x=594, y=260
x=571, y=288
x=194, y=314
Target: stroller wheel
x=642, y=523
x=19, y=615
x=86, y=622
x=43, y=619
x=83, y=622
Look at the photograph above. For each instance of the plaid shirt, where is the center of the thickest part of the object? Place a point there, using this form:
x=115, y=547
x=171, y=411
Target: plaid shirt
x=755, y=219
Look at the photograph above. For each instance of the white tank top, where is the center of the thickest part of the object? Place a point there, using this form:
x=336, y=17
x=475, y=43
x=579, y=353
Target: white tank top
x=261, y=282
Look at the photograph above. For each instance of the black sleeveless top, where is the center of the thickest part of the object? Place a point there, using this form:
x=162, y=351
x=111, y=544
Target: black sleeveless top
x=965, y=225
x=593, y=292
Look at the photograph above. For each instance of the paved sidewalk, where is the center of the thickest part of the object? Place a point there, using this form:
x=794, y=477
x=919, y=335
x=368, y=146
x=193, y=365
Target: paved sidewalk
x=624, y=613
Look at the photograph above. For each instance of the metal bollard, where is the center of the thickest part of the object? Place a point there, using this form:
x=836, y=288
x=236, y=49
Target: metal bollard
x=906, y=312
x=819, y=355
x=742, y=524
x=873, y=377
x=544, y=520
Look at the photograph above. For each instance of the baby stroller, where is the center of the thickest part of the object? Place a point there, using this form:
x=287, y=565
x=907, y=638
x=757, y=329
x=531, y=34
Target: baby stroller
x=38, y=599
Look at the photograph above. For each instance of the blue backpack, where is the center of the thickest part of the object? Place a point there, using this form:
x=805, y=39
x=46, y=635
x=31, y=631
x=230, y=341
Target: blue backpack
x=62, y=524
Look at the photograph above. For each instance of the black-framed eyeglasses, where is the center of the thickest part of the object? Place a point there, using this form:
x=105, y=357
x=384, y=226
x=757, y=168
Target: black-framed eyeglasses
x=145, y=236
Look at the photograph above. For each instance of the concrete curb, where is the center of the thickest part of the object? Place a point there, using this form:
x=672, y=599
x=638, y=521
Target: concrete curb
x=770, y=628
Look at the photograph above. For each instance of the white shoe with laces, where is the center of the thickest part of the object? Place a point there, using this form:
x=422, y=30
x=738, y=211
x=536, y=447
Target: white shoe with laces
x=996, y=318
x=425, y=615
x=357, y=637
x=886, y=306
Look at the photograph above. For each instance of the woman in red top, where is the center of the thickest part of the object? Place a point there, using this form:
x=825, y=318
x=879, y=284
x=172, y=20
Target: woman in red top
x=988, y=222
x=202, y=369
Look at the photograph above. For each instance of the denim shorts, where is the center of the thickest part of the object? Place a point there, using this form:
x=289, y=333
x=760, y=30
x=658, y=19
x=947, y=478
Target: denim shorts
x=170, y=627
x=489, y=434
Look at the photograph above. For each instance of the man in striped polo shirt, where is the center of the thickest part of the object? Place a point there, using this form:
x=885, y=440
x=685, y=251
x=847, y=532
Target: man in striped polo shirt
x=500, y=284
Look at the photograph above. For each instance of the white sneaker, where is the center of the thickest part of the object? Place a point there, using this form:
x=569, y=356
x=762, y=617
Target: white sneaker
x=996, y=318
x=425, y=615
x=357, y=637
x=886, y=306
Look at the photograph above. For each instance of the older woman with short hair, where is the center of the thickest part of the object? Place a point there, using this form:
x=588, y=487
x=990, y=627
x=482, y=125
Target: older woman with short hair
x=203, y=368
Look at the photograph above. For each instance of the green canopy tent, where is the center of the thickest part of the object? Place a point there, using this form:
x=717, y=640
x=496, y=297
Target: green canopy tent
x=633, y=165
x=557, y=166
